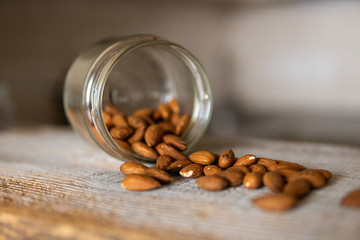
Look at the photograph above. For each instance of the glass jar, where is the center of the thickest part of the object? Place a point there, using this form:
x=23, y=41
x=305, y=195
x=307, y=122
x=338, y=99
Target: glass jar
x=134, y=72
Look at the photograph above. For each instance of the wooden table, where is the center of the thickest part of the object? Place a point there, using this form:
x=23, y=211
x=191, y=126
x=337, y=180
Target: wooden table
x=53, y=185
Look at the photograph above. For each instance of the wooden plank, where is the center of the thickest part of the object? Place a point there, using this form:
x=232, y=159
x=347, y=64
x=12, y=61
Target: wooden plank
x=54, y=185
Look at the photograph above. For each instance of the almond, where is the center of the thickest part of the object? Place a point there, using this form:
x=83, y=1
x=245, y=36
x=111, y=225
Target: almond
x=286, y=172
x=121, y=132
x=153, y=135
x=291, y=164
x=156, y=115
x=352, y=199
x=165, y=149
x=258, y=168
x=325, y=173
x=159, y=175
x=144, y=112
x=234, y=176
x=163, y=162
x=167, y=127
x=266, y=162
x=136, y=121
x=122, y=144
x=174, y=119
x=148, y=120
x=182, y=124
x=297, y=187
x=273, y=181
x=175, y=141
x=243, y=169
x=174, y=105
x=107, y=119
x=226, y=159
x=275, y=202
x=246, y=160
x=164, y=111
x=193, y=170
x=112, y=109
x=202, y=157
x=119, y=121
x=212, y=183
x=278, y=166
x=176, y=166
x=144, y=150
x=316, y=179
x=138, y=135
x=211, y=170
x=133, y=168
x=252, y=180
x=138, y=182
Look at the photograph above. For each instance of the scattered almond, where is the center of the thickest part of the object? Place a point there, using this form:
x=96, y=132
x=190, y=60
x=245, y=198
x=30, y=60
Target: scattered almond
x=226, y=159
x=202, y=157
x=297, y=188
x=253, y=180
x=159, y=174
x=176, y=166
x=193, y=170
x=212, y=183
x=163, y=162
x=246, y=160
x=274, y=181
x=316, y=179
x=258, y=168
x=211, y=170
x=144, y=150
x=351, y=199
x=139, y=182
x=166, y=149
x=275, y=202
x=266, y=162
x=175, y=141
x=235, y=177
x=133, y=168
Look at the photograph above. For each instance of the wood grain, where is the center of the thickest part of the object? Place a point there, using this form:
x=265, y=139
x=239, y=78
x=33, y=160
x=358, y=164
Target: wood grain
x=53, y=185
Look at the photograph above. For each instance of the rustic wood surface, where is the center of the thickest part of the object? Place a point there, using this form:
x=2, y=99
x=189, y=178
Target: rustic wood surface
x=53, y=185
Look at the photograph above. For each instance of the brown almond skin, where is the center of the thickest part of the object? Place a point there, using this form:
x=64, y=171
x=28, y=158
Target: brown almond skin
x=175, y=141
x=291, y=164
x=153, y=135
x=148, y=120
x=351, y=199
x=212, y=183
x=182, y=124
x=136, y=122
x=174, y=119
x=211, y=170
x=297, y=188
x=193, y=170
x=174, y=105
x=144, y=112
x=202, y=157
x=119, y=121
x=234, y=176
x=176, y=166
x=144, y=150
x=133, y=168
x=156, y=115
x=275, y=202
x=164, y=111
x=163, y=162
x=286, y=172
x=122, y=144
x=266, y=162
x=166, y=149
x=274, y=181
x=112, y=109
x=139, y=182
x=258, y=168
x=316, y=179
x=325, y=173
x=137, y=136
x=243, y=169
x=159, y=175
x=252, y=180
x=107, y=119
x=278, y=166
x=121, y=132
x=246, y=160
x=167, y=127
x=226, y=159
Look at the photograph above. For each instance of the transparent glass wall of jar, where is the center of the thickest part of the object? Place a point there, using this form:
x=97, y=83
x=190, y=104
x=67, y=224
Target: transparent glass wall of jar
x=135, y=72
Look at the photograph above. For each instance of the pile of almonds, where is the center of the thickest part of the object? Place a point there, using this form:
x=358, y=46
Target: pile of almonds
x=155, y=134
x=149, y=132
x=288, y=181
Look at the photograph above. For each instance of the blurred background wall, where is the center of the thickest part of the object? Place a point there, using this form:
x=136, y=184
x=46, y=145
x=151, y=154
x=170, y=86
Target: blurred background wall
x=278, y=69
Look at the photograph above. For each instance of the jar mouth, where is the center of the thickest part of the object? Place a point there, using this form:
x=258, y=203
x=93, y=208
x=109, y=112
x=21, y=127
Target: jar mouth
x=171, y=68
